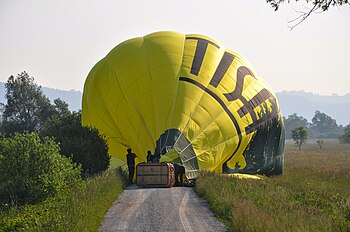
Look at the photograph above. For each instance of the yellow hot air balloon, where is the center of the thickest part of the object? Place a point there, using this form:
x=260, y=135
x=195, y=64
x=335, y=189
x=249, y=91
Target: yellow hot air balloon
x=189, y=99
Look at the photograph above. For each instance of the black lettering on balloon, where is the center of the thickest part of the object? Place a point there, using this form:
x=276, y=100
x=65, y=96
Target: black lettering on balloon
x=201, y=49
x=242, y=72
x=222, y=68
x=248, y=106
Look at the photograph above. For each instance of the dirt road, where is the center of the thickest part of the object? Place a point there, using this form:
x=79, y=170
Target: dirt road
x=160, y=209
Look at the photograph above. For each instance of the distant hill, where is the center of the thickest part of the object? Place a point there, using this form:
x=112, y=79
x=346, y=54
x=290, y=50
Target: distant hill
x=72, y=97
x=303, y=103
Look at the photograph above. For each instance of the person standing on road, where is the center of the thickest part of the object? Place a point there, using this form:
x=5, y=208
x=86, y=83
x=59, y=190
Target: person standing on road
x=130, y=159
x=179, y=172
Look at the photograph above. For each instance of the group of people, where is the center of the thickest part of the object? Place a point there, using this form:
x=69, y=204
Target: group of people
x=151, y=158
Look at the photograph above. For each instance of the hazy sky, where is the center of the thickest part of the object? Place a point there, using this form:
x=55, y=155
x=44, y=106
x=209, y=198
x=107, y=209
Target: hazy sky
x=58, y=42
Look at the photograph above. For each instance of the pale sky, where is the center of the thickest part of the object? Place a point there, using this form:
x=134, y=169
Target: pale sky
x=58, y=42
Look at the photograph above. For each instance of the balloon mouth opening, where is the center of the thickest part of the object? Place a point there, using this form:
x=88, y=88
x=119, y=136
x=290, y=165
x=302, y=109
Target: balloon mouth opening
x=173, y=146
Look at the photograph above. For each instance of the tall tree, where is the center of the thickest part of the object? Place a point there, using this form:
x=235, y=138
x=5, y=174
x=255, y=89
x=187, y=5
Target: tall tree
x=299, y=136
x=27, y=108
x=324, y=126
x=61, y=107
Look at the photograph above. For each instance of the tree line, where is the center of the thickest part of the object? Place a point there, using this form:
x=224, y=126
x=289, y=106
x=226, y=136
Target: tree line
x=322, y=126
x=43, y=146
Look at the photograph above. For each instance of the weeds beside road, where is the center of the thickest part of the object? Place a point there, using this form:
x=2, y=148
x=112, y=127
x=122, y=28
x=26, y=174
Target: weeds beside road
x=312, y=195
x=81, y=208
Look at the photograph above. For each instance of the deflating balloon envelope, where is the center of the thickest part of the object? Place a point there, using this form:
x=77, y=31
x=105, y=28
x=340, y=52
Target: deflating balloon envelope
x=189, y=99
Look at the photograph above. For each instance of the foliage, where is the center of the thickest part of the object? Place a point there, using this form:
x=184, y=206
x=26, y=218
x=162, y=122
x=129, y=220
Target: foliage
x=320, y=4
x=316, y=7
x=61, y=107
x=322, y=126
x=299, y=135
x=310, y=196
x=345, y=138
x=83, y=144
x=27, y=108
x=294, y=121
x=81, y=208
x=32, y=170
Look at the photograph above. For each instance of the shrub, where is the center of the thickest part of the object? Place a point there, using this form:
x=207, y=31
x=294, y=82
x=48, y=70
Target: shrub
x=345, y=138
x=31, y=169
x=83, y=144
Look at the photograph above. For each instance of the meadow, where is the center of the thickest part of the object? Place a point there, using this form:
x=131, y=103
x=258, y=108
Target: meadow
x=313, y=194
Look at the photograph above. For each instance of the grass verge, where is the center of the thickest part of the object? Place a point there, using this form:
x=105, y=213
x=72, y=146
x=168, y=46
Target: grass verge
x=81, y=208
x=312, y=195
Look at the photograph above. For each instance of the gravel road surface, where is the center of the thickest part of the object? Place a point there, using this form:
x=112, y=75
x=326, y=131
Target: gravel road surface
x=160, y=209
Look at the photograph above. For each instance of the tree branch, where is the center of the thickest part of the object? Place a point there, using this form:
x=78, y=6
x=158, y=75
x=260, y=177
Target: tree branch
x=322, y=5
x=303, y=16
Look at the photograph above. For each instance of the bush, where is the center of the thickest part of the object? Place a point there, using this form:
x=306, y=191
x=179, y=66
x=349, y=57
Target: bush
x=345, y=138
x=31, y=169
x=83, y=144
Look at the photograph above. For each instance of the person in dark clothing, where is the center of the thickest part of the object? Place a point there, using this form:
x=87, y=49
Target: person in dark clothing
x=156, y=157
x=149, y=157
x=130, y=159
x=179, y=172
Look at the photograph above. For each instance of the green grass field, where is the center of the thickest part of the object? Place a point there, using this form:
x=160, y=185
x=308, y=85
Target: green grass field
x=312, y=195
